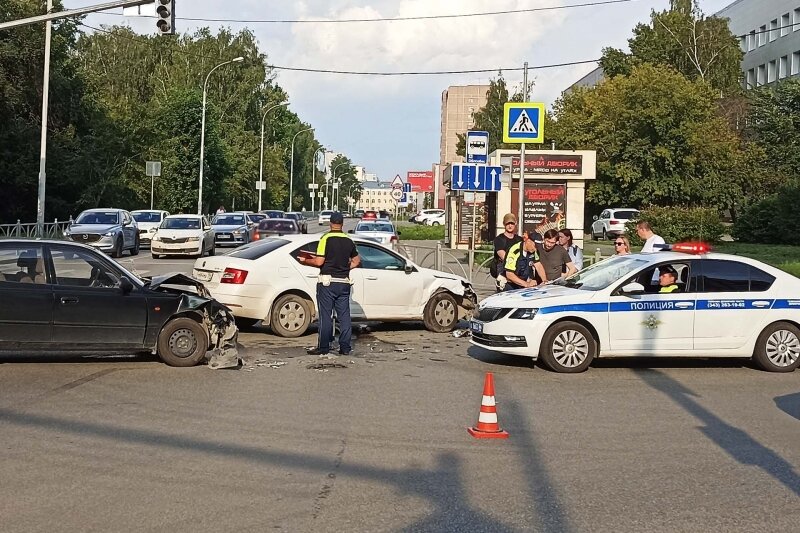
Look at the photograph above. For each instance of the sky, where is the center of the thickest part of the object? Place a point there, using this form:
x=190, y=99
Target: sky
x=390, y=125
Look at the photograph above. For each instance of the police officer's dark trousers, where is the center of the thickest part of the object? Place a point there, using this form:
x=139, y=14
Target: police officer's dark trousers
x=334, y=296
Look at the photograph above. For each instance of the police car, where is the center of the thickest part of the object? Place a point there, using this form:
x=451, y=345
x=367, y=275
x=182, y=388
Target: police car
x=724, y=306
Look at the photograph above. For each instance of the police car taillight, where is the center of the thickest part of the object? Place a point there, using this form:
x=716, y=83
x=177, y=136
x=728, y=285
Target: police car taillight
x=234, y=276
x=691, y=247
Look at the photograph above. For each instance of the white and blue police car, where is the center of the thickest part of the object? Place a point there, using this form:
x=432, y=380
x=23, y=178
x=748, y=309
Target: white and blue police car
x=724, y=306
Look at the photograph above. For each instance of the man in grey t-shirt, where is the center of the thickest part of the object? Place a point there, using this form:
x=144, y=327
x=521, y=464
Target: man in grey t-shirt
x=552, y=258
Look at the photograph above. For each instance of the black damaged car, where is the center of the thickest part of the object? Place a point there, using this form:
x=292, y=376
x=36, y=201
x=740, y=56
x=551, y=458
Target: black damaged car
x=62, y=297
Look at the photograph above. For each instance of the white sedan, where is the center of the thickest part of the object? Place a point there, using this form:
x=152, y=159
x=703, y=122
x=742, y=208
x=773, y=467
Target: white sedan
x=435, y=220
x=183, y=235
x=264, y=281
x=381, y=231
x=724, y=306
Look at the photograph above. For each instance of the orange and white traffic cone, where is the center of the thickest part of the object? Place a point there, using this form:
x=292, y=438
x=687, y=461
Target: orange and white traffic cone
x=487, y=427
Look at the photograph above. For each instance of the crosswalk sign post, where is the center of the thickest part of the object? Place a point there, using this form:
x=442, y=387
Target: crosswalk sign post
x=523, y=122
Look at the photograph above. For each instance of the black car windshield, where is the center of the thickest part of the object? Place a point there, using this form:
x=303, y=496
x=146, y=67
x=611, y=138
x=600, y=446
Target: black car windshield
x=625, y=215
x=258, y=249
x=273, y=214
x=328, y=213
x=602, y=274
x=383, y=228
x=277, y=224
x=257, y=217
x=98, y=217
x=181, y=223
x=147, y=216
x=228, y=220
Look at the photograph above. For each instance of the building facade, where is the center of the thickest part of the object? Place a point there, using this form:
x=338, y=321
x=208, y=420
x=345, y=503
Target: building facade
x=458, y=105
x=376, y=196
x=769, y=34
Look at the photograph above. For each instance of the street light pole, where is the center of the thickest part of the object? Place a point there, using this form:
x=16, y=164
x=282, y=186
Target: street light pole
x=314, y=176
x=332, y=180
x=48, y=32
x=291, y=168
x=261, y=160
x=203, y=133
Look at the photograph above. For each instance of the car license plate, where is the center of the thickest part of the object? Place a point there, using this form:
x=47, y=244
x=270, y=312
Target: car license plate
x=477, y=327
x=203, y=276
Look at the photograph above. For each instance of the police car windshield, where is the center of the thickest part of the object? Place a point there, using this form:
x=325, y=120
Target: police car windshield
x=601, y=275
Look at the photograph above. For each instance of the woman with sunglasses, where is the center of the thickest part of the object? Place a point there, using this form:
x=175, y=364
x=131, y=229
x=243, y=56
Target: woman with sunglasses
x=622, y=246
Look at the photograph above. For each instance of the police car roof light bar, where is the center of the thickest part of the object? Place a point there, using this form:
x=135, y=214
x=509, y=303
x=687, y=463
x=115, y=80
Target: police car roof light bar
x=691, y=247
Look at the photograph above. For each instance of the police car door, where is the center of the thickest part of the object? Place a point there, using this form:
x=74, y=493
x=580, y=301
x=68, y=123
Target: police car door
x=652, y=323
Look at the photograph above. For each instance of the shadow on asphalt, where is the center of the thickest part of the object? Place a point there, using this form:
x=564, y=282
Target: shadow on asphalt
x=77, y=358
x=789, y=404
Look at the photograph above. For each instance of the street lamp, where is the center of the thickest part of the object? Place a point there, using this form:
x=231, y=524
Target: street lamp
x=314, y=175
x=203, y=133
x=261, y=163
x=333, y=178
x=291, y=169
x=350, y=193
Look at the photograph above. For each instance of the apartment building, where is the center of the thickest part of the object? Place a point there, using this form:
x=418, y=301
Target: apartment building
x=458, y=105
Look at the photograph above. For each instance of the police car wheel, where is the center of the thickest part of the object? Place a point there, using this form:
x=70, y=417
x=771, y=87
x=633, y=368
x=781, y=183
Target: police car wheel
x=568, y=347
x=778, y=348
x=441, y=313
x=291, y=316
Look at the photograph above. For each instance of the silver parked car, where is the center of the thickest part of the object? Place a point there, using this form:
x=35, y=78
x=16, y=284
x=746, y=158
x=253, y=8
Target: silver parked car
x=378, y=230
x=110, y=230
x=232, y=229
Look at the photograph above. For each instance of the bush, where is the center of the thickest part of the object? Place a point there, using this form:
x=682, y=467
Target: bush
x=676, y=224
x=772, y=220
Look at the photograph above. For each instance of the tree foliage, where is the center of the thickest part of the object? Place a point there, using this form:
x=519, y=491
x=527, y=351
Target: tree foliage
x=774, y=124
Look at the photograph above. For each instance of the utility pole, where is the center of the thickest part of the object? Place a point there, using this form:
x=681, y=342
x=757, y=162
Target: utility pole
x=48, y=33
x=521, y=197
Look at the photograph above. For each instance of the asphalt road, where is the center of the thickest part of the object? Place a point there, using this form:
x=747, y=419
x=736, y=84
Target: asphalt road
x=378, y=442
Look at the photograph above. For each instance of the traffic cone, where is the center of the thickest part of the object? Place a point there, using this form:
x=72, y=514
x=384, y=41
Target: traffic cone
x=487, y=427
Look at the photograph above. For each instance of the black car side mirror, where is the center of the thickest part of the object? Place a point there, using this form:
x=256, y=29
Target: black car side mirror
x=408, y=269
x=125, y=285
x=350, y=231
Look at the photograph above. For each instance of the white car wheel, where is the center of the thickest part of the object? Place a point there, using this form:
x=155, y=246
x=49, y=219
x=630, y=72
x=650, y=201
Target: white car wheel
x=778, y=348
x=568, y=347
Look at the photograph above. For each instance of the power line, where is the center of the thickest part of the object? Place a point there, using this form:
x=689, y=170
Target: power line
x=361, y=73
x=397, y=19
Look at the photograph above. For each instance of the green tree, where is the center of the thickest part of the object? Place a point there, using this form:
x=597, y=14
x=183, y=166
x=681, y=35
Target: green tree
x=774, y=125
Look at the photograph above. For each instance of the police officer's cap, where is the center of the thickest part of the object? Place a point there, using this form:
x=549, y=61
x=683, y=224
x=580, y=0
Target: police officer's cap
x=337, y=218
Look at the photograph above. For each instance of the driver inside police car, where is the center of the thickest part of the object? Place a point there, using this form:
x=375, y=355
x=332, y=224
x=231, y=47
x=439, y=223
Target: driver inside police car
x=667, y=279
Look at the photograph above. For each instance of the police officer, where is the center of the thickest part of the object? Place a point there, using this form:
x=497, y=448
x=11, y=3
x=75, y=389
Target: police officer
x=336, y=256
x=667, y=279
x=519, y=270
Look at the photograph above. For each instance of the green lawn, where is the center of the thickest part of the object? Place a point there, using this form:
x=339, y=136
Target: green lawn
x=419, y=232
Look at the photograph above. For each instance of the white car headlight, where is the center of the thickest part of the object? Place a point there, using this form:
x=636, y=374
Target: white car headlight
x=156, y=238
x=108, y=234
x=523, y=313
x=152, y=230
x=192, y=239
x=238, y=232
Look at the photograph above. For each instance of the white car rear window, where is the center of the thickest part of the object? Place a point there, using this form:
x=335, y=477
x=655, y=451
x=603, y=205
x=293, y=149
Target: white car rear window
x=258, y=249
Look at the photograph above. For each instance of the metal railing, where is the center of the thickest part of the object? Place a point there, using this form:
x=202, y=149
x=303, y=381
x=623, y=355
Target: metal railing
x=50, y=230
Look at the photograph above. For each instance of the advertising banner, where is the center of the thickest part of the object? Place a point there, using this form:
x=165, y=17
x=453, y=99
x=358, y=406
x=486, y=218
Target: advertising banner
x=544, y=207
x=421, y=181
x=548, y=164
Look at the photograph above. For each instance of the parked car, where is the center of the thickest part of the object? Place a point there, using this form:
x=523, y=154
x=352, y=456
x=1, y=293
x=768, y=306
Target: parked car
x=611, y=222
x=148, y=221
x=264, y=281
x=358, y=213
x=380, y=231
x=425, y=213
x=61, y=297
x=276, y=226
x=232, y=229
x=109, y=230
x=324, y=217
x=255, y=218
x=723, y=306
x=273, y=213
x=183, y=235
x=300, y=218
x=435, y=220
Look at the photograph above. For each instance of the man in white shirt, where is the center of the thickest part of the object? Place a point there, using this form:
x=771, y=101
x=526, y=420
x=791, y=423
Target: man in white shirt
x=650, y=239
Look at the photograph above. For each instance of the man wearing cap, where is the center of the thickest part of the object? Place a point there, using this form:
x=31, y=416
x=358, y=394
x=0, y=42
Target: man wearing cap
x=502, y=243
x=667, y=278
x=336, y=256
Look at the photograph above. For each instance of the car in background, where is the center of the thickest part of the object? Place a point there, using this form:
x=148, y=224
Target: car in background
x=384, y=215
x=80, y=301
x=435, y=220
x=369, y=215
x=273, y=213
x=255, y=218
x=300, y=218
x=183, y=235
x=358, y=213
x=611, y=222
x=276, y=226
x=425, y=213
x=379, y=230
x=148, y=221
x=109, y=230
x=232, y=229
x=264, y=281
x=722, y=306
x=324, y=217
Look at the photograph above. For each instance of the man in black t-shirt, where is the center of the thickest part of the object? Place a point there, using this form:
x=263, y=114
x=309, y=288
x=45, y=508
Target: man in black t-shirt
x=336, y=256
x=553, y=258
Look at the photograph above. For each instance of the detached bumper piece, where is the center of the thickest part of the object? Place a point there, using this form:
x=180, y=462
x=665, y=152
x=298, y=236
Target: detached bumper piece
x=500, y=341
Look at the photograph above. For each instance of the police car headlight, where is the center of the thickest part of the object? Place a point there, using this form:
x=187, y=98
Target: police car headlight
x=523, y=314
x=192, y=239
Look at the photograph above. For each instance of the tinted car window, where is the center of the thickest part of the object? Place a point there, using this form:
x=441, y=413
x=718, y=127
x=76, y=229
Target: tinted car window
x=276, y=224
x=98, y=217
x=22, y=264
x=273, y=214
x=256, y=250
x=377, y=259
x=147, y=216
x=760, y=280
x=80, y=268
x=181, y=223
x=228, y=220
x=256, y=217
x=625, y=215
x=724, y=276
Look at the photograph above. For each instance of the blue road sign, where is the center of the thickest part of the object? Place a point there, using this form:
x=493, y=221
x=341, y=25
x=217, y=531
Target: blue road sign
x=523, y=122
x=477, y=147
x=406, y=193
x=475, y=178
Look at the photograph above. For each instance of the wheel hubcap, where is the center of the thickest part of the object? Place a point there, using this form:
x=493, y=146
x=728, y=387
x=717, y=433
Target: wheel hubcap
x=570, y=348
x=182, y=343
x=444, y=313
x=292, y=316
x=783, y=348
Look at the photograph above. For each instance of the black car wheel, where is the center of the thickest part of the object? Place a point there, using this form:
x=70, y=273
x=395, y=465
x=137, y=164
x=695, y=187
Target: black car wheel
x=117, y=251
x=441, y=313
x=136, y=246
x=182, y=342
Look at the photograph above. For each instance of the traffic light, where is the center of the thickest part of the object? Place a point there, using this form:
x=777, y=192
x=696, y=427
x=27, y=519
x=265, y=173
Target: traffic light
x=165, y=11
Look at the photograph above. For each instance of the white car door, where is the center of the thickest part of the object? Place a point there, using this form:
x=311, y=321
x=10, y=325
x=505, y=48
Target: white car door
x=728, y=313
x=652, y=323
x=389, y=291
x=598, y=225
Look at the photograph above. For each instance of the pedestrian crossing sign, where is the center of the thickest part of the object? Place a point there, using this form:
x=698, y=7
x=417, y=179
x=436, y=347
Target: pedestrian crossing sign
x=523, y=122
